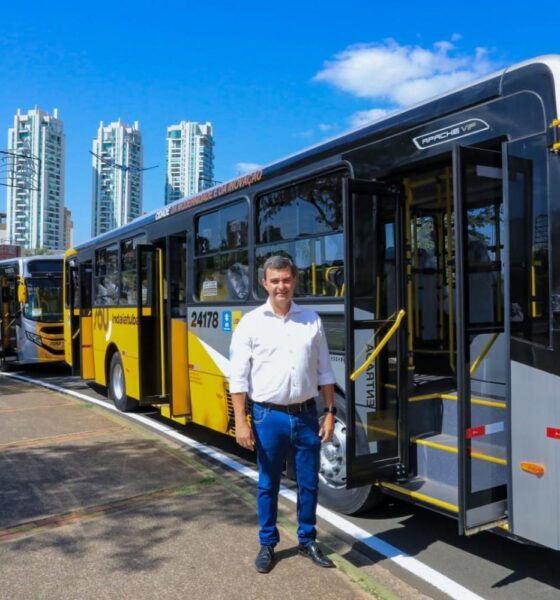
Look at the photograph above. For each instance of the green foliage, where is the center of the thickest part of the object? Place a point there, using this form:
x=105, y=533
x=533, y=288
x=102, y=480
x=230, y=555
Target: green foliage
x=39, y=251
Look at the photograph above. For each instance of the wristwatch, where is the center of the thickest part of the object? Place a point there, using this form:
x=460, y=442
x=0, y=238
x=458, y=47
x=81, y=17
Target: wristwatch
x=330, y=409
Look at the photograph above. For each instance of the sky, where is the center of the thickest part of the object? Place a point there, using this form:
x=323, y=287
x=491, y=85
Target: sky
x=271, y=77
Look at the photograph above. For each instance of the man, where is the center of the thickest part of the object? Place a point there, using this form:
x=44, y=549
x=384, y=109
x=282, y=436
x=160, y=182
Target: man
x=279, y=358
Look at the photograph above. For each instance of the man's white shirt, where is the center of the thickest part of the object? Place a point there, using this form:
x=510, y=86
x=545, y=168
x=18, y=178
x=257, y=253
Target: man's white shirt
x=278, y=359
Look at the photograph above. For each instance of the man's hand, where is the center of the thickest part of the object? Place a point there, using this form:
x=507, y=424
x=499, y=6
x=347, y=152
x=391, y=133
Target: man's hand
x=327, y=428
x=244, y=435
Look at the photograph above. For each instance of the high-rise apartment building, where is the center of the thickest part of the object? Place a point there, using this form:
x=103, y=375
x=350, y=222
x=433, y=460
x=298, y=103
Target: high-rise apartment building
x=118, y=160
x=35, y=200
x=190, y=160
x=3, y=228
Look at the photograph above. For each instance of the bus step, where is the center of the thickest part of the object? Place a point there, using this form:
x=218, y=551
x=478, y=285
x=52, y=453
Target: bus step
x=157, y=399
x=437, y=456
x=436, y=495
x=483, y=411
x=430, y=413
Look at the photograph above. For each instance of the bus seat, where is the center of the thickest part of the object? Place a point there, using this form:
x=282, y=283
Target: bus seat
x=334, y=277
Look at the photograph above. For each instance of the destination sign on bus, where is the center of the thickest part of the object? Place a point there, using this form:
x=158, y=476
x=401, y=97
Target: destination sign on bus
x=215, y=192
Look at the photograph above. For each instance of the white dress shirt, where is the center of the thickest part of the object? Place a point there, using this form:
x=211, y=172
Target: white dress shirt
x=281, y=360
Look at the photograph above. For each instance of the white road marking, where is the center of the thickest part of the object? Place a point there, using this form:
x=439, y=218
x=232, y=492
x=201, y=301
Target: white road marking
x=405, y=561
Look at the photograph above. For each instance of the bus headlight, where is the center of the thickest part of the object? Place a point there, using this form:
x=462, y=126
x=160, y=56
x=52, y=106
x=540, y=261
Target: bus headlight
x=33, y=337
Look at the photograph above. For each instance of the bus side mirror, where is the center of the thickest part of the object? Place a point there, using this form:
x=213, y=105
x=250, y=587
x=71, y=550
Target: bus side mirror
x=22, y=293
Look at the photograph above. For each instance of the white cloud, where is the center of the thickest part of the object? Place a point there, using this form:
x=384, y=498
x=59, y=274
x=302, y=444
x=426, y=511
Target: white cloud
x=398, y=76
x=317, y=131
x=243, y=168
x=363, y=117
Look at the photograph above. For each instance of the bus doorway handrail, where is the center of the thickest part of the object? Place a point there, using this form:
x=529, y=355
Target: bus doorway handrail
x=371, y=358
x=483, y=354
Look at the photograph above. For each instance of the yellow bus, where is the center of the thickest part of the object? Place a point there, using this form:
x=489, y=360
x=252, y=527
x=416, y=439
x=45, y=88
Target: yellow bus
x=425, y=242
x=31, y=311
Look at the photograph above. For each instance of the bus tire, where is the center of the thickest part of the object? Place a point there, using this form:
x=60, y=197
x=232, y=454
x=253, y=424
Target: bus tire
x=117, y=385
x=332, y=473
x=3, y=363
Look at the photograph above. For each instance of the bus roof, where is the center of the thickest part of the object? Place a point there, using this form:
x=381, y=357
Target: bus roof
x=25, y=259
x=479, y=90
x=23, y=263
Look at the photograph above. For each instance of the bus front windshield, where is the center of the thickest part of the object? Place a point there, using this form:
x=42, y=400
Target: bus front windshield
x=44, y=299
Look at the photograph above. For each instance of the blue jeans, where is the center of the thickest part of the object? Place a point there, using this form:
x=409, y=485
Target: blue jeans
x=275, y=433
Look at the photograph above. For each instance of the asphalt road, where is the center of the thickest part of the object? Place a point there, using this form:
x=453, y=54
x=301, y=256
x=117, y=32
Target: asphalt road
x=487, y=564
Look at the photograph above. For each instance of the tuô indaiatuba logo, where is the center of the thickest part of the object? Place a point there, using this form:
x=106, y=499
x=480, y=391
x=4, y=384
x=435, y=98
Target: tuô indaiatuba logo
x=102, y=319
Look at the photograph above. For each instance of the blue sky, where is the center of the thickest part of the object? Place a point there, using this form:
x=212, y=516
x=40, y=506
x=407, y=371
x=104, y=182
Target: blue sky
x=272, y=78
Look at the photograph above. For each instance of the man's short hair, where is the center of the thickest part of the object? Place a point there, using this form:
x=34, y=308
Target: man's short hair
x=278, y=263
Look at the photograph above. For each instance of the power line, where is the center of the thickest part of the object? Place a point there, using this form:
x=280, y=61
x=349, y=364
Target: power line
x=19, y=170
x=111, y=163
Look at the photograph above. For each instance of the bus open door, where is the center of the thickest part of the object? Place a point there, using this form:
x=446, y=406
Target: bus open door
x=376, y=364
x=151, y=325
x=72, y=330
x=482, y=422
x=87, y=365
x=9, y=314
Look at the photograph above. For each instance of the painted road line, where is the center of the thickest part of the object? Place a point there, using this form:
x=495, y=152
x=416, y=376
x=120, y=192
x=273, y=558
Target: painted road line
x=405, y=561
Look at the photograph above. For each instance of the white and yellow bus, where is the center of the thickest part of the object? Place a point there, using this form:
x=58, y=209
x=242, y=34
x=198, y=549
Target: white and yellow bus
x=426, y=241
x=31, y=329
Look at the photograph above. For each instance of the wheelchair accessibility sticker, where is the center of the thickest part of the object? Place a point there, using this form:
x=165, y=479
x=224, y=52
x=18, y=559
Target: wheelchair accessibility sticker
x=226, y=320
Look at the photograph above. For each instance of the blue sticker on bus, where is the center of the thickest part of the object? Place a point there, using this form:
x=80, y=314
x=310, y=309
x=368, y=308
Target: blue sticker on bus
x=226, y=320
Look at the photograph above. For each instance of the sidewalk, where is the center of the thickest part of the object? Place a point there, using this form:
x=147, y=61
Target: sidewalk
x=94, y=506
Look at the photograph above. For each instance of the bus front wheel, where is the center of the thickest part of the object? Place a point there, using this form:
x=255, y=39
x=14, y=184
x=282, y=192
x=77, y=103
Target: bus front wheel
x=332, y=474
x=117, y=385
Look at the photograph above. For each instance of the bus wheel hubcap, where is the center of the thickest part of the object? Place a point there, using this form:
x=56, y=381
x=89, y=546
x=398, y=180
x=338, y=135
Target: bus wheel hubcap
x=117, y=380
x=332, y=471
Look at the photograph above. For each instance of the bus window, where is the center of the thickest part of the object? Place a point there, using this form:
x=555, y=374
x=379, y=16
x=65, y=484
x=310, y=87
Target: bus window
x=75, y=283
x=319, y=262
x=128, y=296
x=529, y=250
x=304, y=222
x=224, y=229
x=222, y=266
x=425, y=278
x=278, y=216
x=106, y=281
x=178, y=267
x=208, y=234
x=320, y=205
x=71, y=285
x=44, y=299
x=84, y=284
x=36, y=267
x=309, y=208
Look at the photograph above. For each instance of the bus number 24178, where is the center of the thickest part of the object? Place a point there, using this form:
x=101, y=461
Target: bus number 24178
x=205, y=318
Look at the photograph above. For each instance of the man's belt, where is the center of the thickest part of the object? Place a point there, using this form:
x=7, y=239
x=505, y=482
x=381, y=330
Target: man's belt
x=291, y=409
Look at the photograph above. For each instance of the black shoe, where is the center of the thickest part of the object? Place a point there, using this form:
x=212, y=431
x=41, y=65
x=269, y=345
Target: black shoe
x=313, y=552
x=265, y=559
